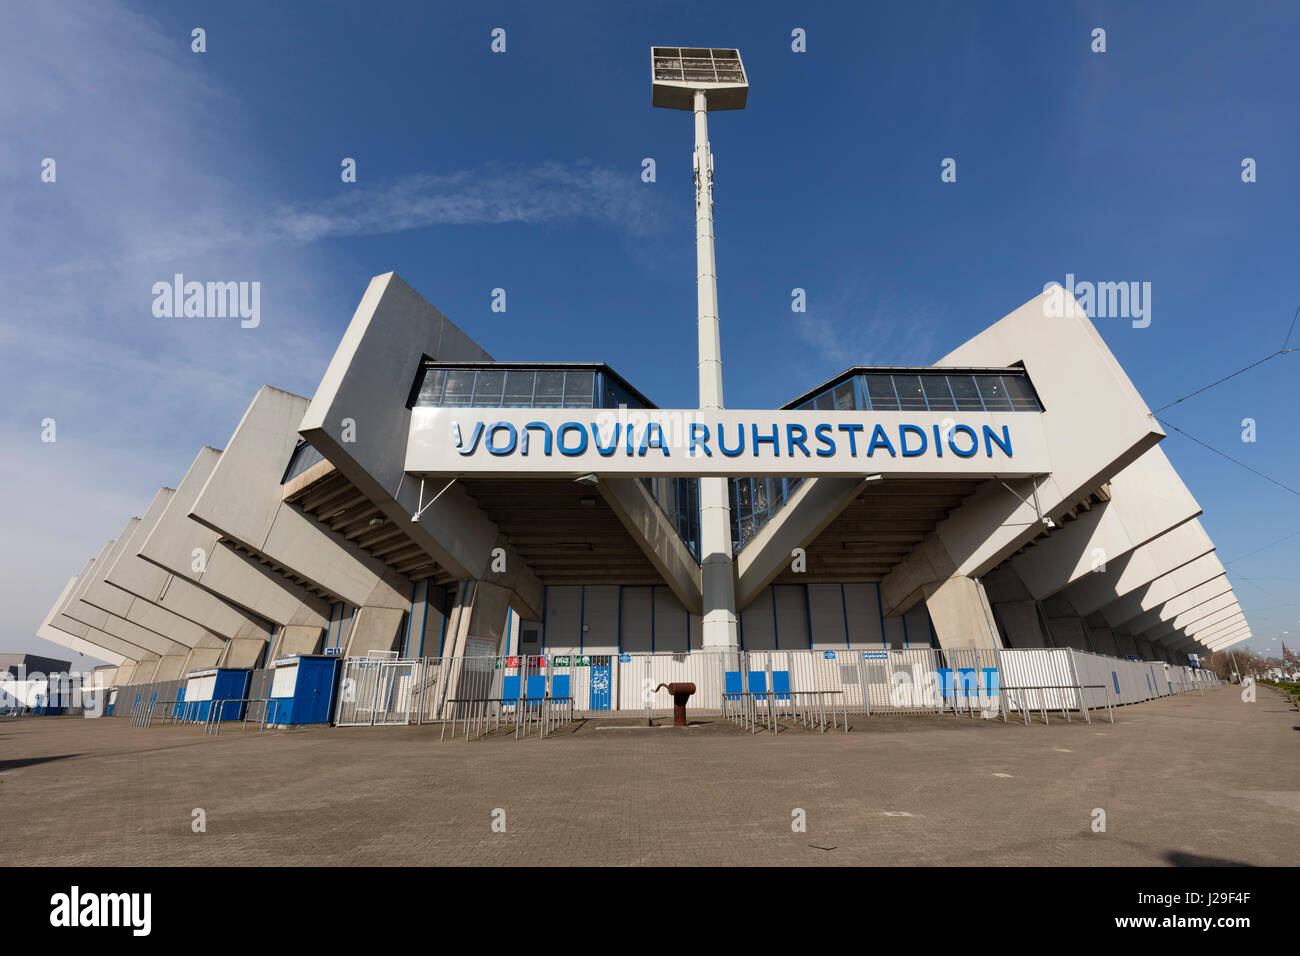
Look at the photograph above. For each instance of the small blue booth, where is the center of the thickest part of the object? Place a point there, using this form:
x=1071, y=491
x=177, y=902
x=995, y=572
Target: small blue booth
x=302, y=690
x=214, y=684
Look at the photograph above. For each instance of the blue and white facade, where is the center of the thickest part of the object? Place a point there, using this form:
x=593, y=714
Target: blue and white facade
x=430, y=501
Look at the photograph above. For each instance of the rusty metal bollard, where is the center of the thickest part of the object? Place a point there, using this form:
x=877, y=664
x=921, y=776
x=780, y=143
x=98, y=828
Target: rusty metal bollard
x=681, y=693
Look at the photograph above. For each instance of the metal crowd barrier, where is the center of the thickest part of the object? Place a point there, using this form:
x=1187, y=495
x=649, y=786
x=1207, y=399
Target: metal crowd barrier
x=478, y=714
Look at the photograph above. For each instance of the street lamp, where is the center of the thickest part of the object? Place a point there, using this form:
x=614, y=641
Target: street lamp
x=700, y=79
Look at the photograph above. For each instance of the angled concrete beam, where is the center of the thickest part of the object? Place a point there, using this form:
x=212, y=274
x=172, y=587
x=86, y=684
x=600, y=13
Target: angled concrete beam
x=655, y=535
x=1139, y=568
x=359, y=421
x=1147, y=500
x=1179, y=604
x=1193, y=574
x=1095, y=424
x=814, y=505
x=49, y=632
x=147, y=581
x=78, y=609
x=138, y=611
x=192, y=551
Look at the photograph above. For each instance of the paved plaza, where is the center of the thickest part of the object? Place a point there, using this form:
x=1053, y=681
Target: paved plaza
x=1187, y=780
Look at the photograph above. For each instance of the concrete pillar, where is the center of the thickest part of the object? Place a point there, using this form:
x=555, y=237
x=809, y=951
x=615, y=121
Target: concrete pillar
x=1021, y=624
x=959, y=614
x=1103, y=638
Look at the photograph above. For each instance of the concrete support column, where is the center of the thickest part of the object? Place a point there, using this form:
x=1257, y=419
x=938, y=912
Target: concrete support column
x=960, y=614
x=717, y=577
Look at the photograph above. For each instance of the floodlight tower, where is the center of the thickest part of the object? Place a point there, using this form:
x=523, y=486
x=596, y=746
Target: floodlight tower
x=697, y=79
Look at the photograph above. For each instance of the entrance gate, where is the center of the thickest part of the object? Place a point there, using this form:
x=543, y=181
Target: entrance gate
x=375, y=692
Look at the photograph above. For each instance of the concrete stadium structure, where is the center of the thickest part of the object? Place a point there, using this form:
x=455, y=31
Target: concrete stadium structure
x=387, y=513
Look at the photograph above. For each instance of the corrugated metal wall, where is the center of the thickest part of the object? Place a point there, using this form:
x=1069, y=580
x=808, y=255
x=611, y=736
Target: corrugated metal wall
x=782, y=617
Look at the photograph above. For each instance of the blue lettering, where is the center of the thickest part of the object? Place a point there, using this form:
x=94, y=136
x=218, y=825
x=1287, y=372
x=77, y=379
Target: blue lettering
x=546, y=442
x=571, y=427
x=880, y=440
x=853, y=438
x=903, y=432
x=766, y=440
x=823, y=433
x=795, y=436
x=658, y=442
x=498, y=427
x=938, y=443
x=460, y=444
x=703, y=442
x=974, y=441
x=722, y=441
x=605, y=450
x=991, y=439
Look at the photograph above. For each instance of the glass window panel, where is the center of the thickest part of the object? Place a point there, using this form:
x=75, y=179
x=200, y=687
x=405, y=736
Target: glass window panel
x=1021, y=393
x=910, y=396
x=760, y=494
x=937, y=395
x=577, y=389
x=487, y=389
x=745, y=496
x=965, y=392
x=991, y=390
x=460, y=387
x=550, y=389
x=777, y=494
x=431, y=387
x=746, y=530
x=880, y=391
x=519, y=388
x=844, y=397
x=824, y=402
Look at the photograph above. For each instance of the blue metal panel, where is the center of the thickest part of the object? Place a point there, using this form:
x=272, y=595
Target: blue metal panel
x=313, y=693
x=781, y=684
x=601, y=681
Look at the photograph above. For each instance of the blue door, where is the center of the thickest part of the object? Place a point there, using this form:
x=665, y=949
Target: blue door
x=601, y=679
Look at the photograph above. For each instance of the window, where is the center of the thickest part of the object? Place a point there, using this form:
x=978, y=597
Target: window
x=519, y=388
x=965, y=393
x=994, y=395
x=431, y=387
x=910, y=396
x=459, y=389
x=880, y=392
x=487, y=389
x=845, y=399
x=578, y=386
x=1021, y=393
x=937, y=394
x=550, y=390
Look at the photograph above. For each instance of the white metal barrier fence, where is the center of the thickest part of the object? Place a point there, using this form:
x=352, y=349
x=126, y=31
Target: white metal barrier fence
x=983, y=681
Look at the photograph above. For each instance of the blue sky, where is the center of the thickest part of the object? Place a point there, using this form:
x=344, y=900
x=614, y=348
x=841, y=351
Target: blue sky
x=522, y=171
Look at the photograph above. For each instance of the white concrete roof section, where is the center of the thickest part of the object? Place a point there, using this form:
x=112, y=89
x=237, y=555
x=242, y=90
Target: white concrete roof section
x=49, y=632
x=1155, y=593
x=191, y=551
x=1139, y=568
x=76, y=613
x=242, y=500
x=136, y=610
x=1096, y=424
x=368, y=383
x=1148, y=500
x=147, y=580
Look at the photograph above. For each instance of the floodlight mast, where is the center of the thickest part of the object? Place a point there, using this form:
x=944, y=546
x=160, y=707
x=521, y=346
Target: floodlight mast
x=684, y=78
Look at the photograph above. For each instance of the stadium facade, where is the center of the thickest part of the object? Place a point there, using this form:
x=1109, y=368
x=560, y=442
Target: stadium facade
x=430, y=501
